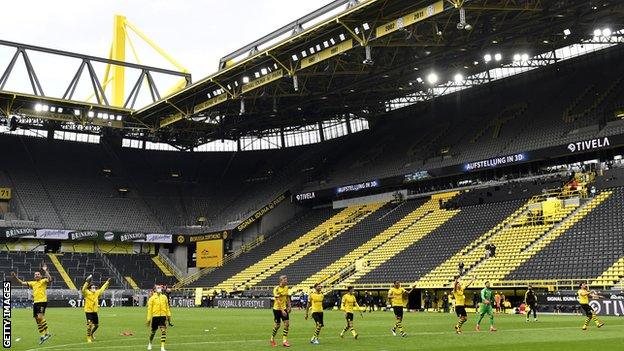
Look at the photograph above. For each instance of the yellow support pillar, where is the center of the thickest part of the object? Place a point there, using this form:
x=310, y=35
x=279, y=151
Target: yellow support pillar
x=118, y=53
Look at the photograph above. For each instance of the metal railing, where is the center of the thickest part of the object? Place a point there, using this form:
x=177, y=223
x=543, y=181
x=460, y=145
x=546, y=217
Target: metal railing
x=112, y=268
x=171, y=266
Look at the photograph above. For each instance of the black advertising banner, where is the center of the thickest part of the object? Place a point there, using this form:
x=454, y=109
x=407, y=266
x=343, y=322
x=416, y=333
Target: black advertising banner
x=243, y=303
x=263, y=211
x=612, y=303
x=83, y=235
x=570, y=149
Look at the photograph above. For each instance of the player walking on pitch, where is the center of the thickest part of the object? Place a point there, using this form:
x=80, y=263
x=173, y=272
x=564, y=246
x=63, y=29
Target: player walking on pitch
x=486, y=307
x=315, y=303
x=91, y=296
x=281, y=310
x=530, y=301
x=349, y=304
x=396, y=296
x=158, y=314
x=40, y=299
x=583, y=295
x=460, y=304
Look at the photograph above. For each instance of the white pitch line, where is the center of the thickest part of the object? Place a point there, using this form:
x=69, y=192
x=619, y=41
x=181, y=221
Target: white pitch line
x=52, y=347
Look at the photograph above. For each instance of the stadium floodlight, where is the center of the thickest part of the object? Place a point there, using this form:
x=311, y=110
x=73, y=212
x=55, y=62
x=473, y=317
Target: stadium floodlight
x=105, y=116
x=458, y=78
x=567, y=32
x=498, y=57
x=517, y=57
x=38, y=107
x=59, y=109
x=487, y=58
x=245, y=80
x=295, y=58
x=419, y=80
x=597, y=32
x=432, y=78
x=119, y=117
x=76, y=112
x=52, y=109
x=242, y=107
x=606, y=32
x=525, y=57
x=45, y=108
x=91, y=114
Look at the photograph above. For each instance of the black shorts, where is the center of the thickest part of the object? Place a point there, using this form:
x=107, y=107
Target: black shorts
x=159, y=322
x=398, y=311
x=318, y=318
x=349, y=316
x=461, y=311
x=532, y=306
x=589, y=311
x=278, y=316
x=93, y=317
x=39, y=307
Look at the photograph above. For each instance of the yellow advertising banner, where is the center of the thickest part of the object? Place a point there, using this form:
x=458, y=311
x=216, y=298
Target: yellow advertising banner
x=5, y=193
x=209, y=103
x=327, y=53
x=409, y=19
x=209, y=253
x=172, y=119
x=257, y=83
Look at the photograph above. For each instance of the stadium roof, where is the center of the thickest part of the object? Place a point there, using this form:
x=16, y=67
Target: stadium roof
x=356, y=61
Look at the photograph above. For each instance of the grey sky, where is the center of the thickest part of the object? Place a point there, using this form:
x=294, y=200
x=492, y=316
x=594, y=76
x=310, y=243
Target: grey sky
x=195, y=32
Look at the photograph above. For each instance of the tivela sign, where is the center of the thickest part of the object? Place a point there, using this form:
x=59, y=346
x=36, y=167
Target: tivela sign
x=611, y=305
x=243, y=303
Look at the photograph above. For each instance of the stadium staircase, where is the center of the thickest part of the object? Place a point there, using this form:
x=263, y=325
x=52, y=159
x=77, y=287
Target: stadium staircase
x=297, y=249
x=397, y=238
x=59, y=267
x=165, y=270
x=613, y=276
x=346, y=264
x=132, y=283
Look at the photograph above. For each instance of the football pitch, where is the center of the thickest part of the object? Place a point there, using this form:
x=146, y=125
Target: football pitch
x=237, y=329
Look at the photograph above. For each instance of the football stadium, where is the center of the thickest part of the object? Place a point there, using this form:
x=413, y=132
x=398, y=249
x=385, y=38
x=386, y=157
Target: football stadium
x=365, y=175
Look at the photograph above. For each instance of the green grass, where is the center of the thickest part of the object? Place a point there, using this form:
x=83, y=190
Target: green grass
x=218, y=329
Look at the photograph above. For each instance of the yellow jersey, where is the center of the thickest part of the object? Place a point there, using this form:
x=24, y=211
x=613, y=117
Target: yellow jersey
x=460, y=298
x=91, y=298
x=349, y=303
x=39, y=288
x=397, y=296
x=583, y=296
x=158, y=306
x=280, y=294
x=316, y=301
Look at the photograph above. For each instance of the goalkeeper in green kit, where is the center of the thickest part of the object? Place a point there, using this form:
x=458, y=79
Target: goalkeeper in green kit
x=487, y=297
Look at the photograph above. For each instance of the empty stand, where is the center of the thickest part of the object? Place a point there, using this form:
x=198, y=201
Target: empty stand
x=303, y=224
x=305, y=244
x=434, y=217
x=429, y=252
x=81, y=265
x=586, y=250
x=25, y=264
x=141, y=269
x=314, y=263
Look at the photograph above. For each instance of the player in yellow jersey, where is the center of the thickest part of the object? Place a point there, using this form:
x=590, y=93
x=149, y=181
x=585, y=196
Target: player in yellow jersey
x=40, y=299
x=91, y=305
x=398, y=299
x=281, y=310
x=158, y=314
x=349, y=304
x=315, y=303
x=460, y=304
x=583, y=296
